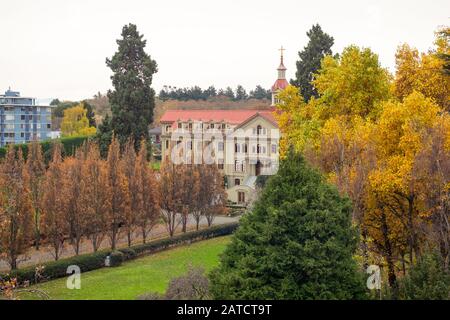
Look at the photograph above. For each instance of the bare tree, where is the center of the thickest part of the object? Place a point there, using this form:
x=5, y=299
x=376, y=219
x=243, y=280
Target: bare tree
x=35, y=167
x=215, y=200
x=15, y=208
x=117, y=188
x=76, y=217
x=129, y=162
x=54, y=204
x=95, y=201
x=147, y=206
x=171, y=195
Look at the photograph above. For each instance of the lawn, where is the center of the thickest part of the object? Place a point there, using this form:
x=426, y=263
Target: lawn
x=148, y=274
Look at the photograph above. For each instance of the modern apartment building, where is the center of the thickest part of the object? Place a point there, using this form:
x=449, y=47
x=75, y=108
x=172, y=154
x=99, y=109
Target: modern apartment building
x=22, y=120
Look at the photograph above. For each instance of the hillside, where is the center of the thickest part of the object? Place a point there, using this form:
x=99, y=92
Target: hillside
x=101, y=105
x=220, y=102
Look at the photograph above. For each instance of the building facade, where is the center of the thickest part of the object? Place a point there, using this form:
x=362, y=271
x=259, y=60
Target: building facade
x=22, y=121
x=243, y=144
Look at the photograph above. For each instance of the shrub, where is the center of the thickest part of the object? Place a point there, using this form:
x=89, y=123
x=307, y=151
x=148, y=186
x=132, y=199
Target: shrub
x=212, y=232
x=116, y=258
x=58, y=269
x=129, y=253
x=192, y=286
x=87, y=262
x=70, y=144
x=426, y=280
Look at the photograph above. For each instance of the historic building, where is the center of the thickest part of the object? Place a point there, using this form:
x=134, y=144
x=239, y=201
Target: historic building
x=242, y=143
x=21, y=120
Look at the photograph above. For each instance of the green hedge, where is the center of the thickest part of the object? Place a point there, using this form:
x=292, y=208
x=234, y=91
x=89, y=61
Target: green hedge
x=70, y=144
x=92, y=261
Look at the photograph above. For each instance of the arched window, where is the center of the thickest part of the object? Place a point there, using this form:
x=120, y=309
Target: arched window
x=258, y=130
x=237, y=182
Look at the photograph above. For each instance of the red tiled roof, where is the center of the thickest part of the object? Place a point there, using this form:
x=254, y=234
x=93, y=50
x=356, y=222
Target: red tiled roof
x=280, y=84
x=228, y=116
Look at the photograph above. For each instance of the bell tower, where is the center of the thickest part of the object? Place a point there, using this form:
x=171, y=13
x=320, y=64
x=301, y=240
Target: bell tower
x=281, y=83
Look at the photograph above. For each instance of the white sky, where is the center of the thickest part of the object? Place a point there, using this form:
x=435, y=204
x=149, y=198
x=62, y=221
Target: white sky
x=57, y=49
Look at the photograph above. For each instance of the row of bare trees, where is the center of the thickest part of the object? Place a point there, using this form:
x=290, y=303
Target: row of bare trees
x=85, y=197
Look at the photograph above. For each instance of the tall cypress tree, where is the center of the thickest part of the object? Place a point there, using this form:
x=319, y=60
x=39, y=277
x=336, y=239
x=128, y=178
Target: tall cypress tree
x=319, y=46
x=297, y=243
x=133, y=99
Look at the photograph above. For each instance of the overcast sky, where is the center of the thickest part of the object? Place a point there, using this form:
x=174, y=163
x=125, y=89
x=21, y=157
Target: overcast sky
x=57, y=49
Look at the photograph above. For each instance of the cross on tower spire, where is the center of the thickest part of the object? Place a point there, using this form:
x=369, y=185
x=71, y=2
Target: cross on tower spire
x=281, y=50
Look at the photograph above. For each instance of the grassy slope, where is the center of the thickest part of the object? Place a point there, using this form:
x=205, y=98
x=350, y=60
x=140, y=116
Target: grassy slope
x=148, y=274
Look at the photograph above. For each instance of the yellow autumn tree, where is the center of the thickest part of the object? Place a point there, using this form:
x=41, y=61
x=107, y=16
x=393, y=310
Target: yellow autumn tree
x=352, y=84
x=423, y=72
x=75, y=122
x=385, y=144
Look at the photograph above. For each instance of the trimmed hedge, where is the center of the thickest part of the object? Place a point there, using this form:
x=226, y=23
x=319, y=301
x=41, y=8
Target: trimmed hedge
x=92, y=261
x=116, y=258
x=58, y=269
x=70, y=144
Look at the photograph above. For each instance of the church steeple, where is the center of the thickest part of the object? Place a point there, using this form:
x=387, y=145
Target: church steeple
x=281, y=69
x=281, y=82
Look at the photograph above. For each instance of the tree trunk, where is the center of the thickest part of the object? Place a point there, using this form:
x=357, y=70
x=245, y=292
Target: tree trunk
x=13, y=262
x=129, y=238
x=37, y=233
x=113, y=239
x=144, y=235
x=389, y=258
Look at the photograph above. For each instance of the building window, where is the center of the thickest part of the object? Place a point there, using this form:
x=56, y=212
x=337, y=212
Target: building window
x=241, y=197
x=244, y=148
x=179, y=125
x=274, y=148
x=239, y=166
x=167, y=144
x=258, y=130
x=212, y=126
x=223, y=125
x=220, y=146
x=237, y=148
x=237, y=182
x=189, y=145
x=49, y=125
x=220, y=164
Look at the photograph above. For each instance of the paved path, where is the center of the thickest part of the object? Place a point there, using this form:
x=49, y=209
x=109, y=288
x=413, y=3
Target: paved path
x=34, y=257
